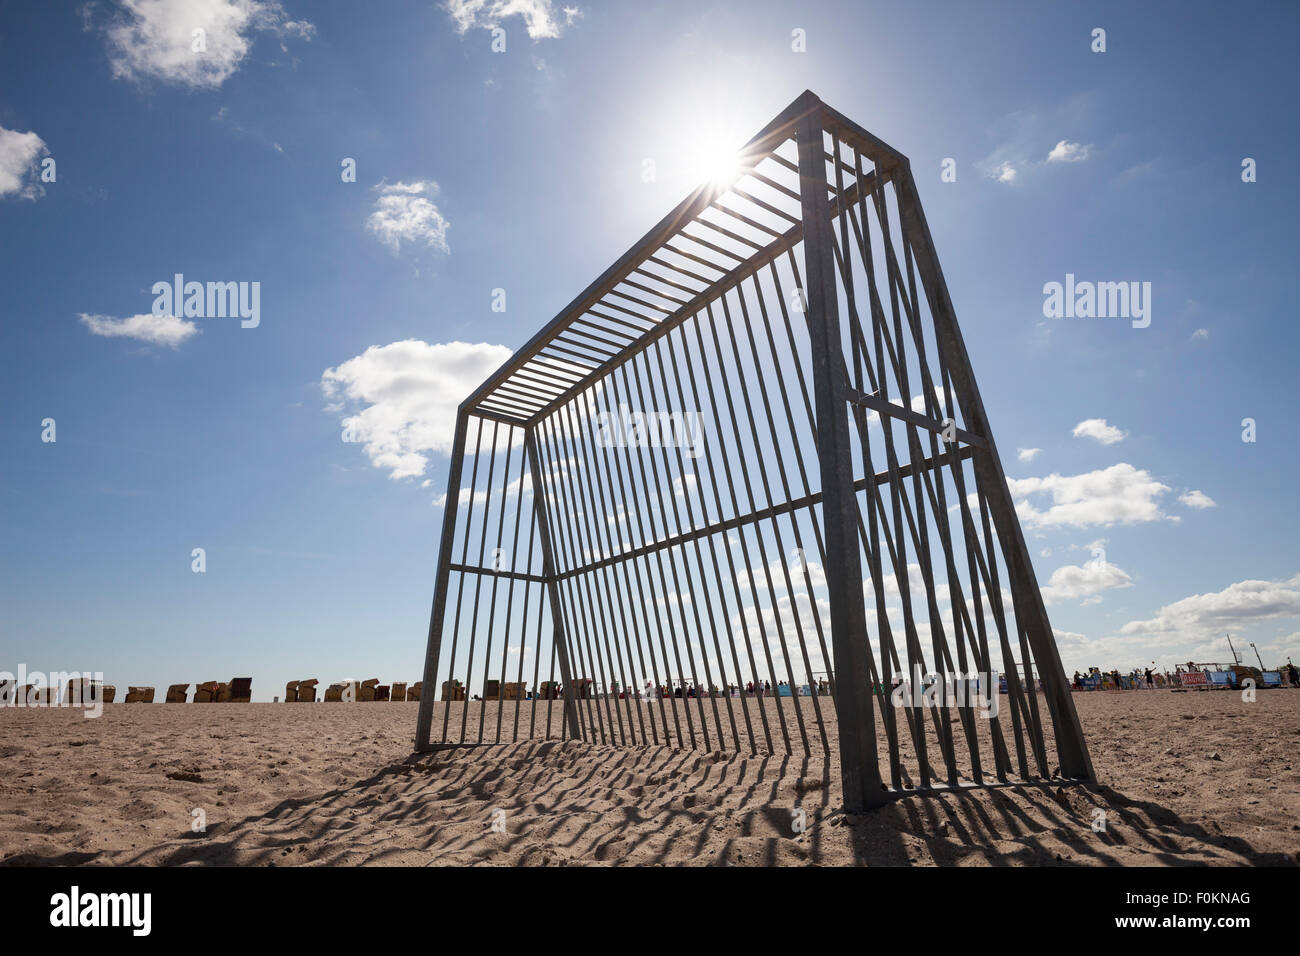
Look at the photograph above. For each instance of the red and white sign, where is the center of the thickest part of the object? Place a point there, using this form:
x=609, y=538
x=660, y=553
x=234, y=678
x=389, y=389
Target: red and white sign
x=1195, y=679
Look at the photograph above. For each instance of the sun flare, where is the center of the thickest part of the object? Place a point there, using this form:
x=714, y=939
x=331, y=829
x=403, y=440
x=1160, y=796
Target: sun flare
x=713, y=161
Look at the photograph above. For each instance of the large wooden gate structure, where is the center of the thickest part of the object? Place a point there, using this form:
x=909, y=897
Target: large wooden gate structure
x=750, y=454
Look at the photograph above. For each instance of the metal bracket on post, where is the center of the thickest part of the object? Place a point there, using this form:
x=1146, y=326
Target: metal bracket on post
x=424, y=722
x=858, y=762
x=552, y=586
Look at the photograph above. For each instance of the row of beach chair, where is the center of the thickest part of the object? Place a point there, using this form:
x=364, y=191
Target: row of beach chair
x=238, y=690
x=304, y=691
x=82, y=692
x=371, y=690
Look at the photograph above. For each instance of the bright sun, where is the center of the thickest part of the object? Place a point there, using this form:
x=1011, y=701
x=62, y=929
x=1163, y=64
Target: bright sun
x=712, y=160
x=697, y=137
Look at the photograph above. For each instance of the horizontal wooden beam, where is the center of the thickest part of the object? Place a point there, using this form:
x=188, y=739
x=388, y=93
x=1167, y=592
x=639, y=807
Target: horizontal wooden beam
x=517, y=575
x=772, y=511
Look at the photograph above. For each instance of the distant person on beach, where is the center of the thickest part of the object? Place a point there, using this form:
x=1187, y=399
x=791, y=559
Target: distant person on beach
x=1151, y=681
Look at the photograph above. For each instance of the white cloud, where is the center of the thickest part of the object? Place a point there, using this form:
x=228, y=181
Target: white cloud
x=1197, y=499
x=1099, y=430
x=156, y=39
x=1020, y=136
x=772, y=621
x=410, y=391
x=1233, y=608
x=1027, y=454
x=1201, y=335
x=155, y=329
x=538, y=15
x=801, y=573
x=1068, y=638
x=1193, y=629
x=1067, y=152
x=1075, y=581
x=1120, y=494
x=405, y=211
x=522, y=485
x=19, y=153
x=919, y=403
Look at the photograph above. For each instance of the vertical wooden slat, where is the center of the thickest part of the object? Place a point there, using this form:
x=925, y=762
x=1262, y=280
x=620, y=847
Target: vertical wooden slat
x=1071, y=749
x=548, y=571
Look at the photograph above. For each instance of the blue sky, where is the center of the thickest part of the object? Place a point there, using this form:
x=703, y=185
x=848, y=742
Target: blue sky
x=522, y=170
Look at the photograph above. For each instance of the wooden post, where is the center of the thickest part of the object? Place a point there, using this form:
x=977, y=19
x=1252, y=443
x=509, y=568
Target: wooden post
x=424, y=722
x=858, y=763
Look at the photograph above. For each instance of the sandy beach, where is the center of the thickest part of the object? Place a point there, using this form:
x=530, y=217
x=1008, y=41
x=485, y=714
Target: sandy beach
x=1186, y=778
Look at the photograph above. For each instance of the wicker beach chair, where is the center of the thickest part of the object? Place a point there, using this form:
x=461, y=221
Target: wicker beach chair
x=241, y=690
x=177, y=693
x=83, y=691
x=139, y=695
x=398, y=692
x=307, y=691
